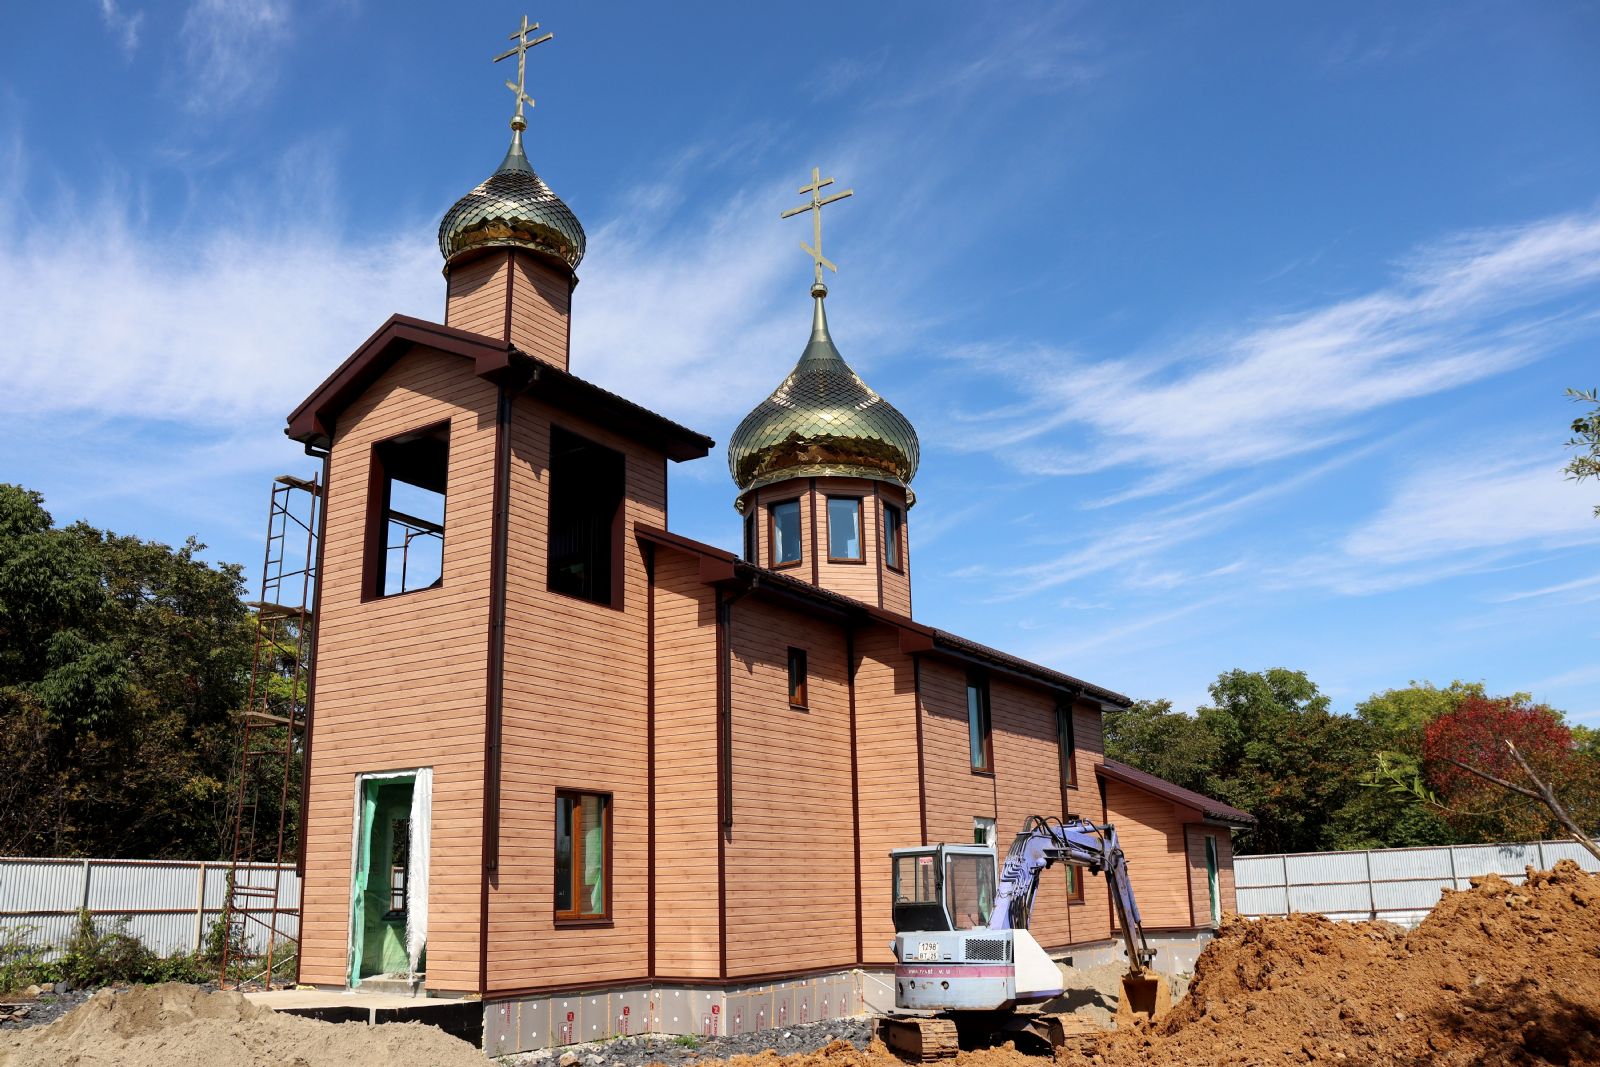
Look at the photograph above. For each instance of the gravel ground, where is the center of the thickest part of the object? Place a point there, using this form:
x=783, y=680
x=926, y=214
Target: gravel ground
x=39, y=1011
x=658, y=1048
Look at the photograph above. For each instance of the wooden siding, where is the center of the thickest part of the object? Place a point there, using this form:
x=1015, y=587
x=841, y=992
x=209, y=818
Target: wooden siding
x=400, y=680
x=1091, y=920
x=574, y=718
x=896, y=583
x=1199, y=888
x=687, y=920
x=868, y=581
x=475, y=295
x=790, y=871
x=1151, y=830
x=956, y=795
x=1027, y=761
x=541, y=306
x=886, y=747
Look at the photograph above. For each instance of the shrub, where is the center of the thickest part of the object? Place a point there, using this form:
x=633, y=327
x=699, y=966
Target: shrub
x=22, y=963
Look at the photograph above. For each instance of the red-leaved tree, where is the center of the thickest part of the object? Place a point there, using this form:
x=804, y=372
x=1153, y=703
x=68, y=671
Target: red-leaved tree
x=1486, y=748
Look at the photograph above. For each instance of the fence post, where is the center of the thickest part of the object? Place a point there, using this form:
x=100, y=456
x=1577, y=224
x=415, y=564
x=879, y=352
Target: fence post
x=1288, y=903
x=1372, y=900
x=200, y=909
x=83, y=895
x=1539, y=851
x=1455, y=882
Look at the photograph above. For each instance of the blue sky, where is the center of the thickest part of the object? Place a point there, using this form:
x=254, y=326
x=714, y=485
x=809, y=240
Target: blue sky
x=1235, y=334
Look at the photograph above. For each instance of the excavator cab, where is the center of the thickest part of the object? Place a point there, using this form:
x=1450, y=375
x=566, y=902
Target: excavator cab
x=943, y=888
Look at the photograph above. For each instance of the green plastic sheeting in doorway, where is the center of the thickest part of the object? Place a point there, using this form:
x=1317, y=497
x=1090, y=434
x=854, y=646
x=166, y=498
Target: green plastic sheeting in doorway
x=379, y=946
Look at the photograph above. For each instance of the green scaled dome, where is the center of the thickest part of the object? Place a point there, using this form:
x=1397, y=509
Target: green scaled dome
x=514, y=208
x=823, y=420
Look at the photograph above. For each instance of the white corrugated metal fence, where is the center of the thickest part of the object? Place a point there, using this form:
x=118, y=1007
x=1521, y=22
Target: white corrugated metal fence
x=169, y=904
x=1398, y=884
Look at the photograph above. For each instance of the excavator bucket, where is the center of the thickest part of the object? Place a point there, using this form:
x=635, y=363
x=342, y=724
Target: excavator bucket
x=1145, y=995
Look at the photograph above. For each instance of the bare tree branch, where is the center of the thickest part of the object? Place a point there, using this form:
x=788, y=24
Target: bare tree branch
x=1501, y=782
x=1548, y=795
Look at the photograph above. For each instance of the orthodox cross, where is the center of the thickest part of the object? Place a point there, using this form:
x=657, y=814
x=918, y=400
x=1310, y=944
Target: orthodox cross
x=818, y=202
x=521, y=52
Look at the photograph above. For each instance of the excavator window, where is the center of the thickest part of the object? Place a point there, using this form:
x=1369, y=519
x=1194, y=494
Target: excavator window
x=918, y=891
x=969, y=889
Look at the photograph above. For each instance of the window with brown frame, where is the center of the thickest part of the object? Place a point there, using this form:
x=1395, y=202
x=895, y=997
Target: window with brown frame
x=844, y=529
x=783, y=518
x=980, y=741
x=750, y=538
x=1067, y=746
x=405, y=524
x=1074, y=885
x=583, y=856
x=893, y=525
x=797, y=677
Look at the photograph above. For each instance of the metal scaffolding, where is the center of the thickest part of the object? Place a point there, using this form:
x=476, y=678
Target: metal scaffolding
x=273, y=731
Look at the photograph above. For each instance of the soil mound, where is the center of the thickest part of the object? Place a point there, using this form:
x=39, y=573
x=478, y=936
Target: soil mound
x=175, y=1025
x=1496, y=974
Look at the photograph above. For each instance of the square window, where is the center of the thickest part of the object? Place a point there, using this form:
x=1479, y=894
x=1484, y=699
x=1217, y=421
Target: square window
x=797, y=677
x=405, y=547
x=980, y=743
x=983, y=831
x=844, y=529
x=583, y=856
x=784, y=519
x=893, y=523
x=586, y=490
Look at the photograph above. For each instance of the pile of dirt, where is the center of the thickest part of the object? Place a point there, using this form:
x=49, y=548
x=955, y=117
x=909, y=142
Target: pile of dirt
x=1496, y=974
x=176, y=1025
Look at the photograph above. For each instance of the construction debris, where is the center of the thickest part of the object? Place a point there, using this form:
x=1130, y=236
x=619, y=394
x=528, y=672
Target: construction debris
x=174, y=1025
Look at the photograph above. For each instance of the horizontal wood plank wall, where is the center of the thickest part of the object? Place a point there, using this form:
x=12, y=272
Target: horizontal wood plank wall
x=955, y=795
x=541, y=305
x=1151, y=832
x=574, y=718
x=1028, y=782
x=790, y=863
x=475, y=297
x=886, y=747
x=896, y=584
x=400, y=681
x=686, y=770
x=1091, y=921
x=857, y=580
x=1230, y=897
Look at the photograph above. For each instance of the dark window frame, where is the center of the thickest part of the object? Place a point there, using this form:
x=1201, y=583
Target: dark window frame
x=575, y=916
x=1074, y=884
x=616, y=579
x=894, y=556
x=985, y=722
x=375, y=557
x=861, y=529
x=772, y=534
x=750, y=537
x=799, y=694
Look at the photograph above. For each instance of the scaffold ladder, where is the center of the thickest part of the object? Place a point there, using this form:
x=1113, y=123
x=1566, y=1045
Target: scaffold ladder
x=272, y=733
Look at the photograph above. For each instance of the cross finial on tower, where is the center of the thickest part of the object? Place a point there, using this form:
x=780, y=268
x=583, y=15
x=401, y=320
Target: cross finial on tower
x=519, y=86
x=818, y=202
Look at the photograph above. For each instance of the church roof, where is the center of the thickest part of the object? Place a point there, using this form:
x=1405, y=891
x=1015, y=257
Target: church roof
x=914, y=635
x=316, y=418
x=514, y=208
x=822, y=420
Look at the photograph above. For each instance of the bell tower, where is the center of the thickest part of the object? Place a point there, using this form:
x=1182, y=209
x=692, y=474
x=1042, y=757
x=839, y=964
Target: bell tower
x=511, y=247
x=824, y=464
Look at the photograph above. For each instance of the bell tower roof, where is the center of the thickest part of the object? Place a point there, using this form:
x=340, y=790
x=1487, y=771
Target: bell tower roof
x=513, y=207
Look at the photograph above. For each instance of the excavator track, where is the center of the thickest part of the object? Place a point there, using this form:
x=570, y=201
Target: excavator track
x=918, y=1038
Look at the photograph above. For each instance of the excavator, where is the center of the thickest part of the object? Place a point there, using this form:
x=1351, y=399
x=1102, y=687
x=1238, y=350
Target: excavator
x=968, y=972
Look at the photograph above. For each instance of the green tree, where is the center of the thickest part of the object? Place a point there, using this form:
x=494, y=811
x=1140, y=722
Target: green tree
x=1585, y=438
x=1166, y=743
x=1283, y=757
x=122, y=664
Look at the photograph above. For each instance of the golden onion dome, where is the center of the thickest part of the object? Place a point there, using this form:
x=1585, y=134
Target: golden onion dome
x=822, y=420
x=513, y=208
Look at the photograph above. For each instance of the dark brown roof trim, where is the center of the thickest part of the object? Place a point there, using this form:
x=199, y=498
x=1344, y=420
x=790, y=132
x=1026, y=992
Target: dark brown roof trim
x=939, y=642
x=314, y=420
x=1213, y=810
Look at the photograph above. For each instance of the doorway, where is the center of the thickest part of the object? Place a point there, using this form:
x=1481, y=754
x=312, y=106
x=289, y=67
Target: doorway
x=1212, y=882
x=389, y=875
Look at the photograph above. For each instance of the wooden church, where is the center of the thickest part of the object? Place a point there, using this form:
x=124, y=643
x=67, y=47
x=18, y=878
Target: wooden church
x=610, y=779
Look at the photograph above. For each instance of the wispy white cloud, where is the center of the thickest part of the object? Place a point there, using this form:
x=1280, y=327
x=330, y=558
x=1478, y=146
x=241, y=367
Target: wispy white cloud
x=124, y=26
x=230, y=49
x=1471, y=307
x=1551, y=590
